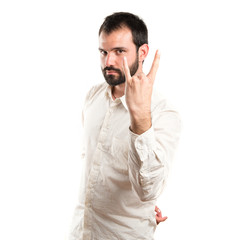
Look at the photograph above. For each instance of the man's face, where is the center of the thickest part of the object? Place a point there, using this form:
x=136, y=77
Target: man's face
x=113, y=47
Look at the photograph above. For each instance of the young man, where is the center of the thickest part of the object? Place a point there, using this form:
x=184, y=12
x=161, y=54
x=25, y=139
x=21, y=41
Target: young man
x=130, y=134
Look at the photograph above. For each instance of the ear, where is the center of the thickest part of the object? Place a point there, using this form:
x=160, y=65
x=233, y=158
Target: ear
x=143, y=52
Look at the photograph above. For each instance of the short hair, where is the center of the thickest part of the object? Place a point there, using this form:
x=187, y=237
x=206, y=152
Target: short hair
x=119, y=20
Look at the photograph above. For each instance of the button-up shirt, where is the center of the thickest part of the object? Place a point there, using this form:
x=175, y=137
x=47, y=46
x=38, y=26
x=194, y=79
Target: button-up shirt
x=123, y=173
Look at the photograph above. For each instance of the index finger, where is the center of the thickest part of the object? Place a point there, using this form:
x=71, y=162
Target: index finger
x=155, y=65
x=126, y=69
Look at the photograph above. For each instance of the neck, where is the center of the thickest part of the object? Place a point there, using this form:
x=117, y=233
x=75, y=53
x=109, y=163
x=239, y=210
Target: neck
x=118, y=91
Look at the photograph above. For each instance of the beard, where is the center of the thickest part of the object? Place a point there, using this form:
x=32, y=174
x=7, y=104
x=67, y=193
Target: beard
x=119, y=78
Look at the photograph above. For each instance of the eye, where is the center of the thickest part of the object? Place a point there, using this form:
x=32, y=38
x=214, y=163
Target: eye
x=102, y=52
x=120, y=51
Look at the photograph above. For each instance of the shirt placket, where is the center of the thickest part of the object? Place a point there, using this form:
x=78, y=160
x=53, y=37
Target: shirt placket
x=103, y=145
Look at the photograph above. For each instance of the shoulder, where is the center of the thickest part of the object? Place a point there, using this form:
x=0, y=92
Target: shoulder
x=163, y=109
x=96, y=90
x=159, y=101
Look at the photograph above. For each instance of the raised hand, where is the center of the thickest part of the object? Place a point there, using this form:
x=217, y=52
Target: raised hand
x=138, y=93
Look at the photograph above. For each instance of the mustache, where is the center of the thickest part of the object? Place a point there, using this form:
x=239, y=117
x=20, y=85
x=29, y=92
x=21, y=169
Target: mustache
x=111, y=68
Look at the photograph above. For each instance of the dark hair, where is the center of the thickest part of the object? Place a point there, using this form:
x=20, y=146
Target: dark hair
x=124, y=19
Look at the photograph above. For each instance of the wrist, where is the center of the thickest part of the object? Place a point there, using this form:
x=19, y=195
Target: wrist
x=140, y=124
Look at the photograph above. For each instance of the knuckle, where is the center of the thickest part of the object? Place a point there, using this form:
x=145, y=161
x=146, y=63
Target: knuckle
x=135, y=78
x=141, y=75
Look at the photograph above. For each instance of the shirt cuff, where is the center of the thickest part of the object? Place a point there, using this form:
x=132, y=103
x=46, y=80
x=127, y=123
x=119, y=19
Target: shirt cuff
x=143, y=142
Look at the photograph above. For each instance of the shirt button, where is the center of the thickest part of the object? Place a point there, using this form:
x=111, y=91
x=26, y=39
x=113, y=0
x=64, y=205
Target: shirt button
x=139, y=146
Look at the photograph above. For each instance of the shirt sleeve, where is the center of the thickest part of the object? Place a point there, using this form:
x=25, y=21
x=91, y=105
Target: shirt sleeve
x=151, y=154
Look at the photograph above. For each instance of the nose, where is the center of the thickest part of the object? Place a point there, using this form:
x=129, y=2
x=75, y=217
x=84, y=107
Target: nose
x=110, y=59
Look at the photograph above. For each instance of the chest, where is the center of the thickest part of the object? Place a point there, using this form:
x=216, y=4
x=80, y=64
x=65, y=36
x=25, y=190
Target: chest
x=106, y=125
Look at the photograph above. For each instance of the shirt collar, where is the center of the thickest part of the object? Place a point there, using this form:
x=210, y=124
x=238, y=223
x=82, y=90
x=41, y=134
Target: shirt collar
x=155, y=97
x=122, y=99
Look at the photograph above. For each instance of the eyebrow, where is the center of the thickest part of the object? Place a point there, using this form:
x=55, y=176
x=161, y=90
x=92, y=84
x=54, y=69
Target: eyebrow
x=116, y=48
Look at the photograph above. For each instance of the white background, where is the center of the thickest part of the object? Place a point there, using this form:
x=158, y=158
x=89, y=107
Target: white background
x=48, y=61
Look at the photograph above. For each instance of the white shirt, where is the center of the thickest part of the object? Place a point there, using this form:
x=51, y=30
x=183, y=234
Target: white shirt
x=123, y=173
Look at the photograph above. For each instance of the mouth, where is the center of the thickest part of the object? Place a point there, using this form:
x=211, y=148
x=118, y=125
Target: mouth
x=111, y=72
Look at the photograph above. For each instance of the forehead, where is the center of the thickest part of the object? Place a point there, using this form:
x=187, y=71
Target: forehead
x=119, y=38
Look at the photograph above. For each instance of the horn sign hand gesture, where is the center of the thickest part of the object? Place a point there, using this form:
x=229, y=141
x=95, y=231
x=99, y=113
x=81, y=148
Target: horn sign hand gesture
x=138, y=93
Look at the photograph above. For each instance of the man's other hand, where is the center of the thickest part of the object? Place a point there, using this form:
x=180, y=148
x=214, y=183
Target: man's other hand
x=159, y=217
